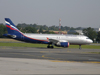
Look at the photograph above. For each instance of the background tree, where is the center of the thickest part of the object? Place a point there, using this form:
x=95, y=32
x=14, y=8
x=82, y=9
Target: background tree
x=3, y=30
x=98, y=37
x=40, y=30
x=90, y=32
x=29, y=30
x=48, y=32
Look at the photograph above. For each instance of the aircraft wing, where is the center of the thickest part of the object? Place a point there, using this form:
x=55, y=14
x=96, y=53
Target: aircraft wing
x=59, y=42
x=53, y=41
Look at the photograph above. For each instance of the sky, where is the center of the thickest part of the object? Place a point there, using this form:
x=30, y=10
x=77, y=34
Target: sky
x=73, y=13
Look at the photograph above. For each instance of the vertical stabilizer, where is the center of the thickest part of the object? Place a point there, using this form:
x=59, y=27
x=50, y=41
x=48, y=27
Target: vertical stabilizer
x=11, y=28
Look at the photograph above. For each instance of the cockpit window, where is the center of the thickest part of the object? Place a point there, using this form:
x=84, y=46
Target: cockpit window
x=87, y=38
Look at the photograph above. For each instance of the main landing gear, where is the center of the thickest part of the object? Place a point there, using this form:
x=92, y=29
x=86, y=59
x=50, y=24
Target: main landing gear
x=50, y=46
x=80, y=47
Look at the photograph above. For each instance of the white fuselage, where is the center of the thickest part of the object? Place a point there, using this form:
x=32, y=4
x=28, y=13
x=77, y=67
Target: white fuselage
x=72, y=39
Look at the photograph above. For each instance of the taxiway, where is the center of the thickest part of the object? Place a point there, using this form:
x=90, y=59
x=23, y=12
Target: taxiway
x=23, y=60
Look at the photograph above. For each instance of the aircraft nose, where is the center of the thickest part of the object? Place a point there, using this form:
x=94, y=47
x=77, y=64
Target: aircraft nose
x=90, y=41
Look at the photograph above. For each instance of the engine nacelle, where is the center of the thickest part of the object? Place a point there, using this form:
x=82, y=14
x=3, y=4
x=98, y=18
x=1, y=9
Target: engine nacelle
x=62, y=44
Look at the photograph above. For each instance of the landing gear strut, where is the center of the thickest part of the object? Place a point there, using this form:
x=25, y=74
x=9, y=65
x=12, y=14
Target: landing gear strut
x=80, y=47
x=50, y=46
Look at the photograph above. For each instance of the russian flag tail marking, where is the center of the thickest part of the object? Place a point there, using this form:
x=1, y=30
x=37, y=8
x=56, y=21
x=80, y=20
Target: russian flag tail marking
x=11, y=28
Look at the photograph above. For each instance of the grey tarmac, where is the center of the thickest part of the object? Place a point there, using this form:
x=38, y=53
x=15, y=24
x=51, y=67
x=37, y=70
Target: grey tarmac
x=23, y=60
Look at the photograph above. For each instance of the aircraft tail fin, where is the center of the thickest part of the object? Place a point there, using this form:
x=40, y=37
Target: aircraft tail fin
x=11, y=28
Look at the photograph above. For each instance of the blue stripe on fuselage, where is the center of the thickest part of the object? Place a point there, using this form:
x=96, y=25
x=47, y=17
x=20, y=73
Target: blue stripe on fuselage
x=22, y=37
x=32, y=40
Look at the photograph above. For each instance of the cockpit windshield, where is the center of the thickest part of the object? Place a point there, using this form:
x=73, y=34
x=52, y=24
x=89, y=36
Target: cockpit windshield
x=87, y=38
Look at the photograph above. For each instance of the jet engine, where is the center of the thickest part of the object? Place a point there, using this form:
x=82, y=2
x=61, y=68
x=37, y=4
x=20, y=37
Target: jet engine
x=62, y=44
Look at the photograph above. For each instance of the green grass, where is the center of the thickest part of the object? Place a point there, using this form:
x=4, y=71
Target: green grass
x=45, y=45
x=22, y=45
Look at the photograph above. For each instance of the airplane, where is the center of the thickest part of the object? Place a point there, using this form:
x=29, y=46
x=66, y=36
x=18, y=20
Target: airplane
x=50, y=39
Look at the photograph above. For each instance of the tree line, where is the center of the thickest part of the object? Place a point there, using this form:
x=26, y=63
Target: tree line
x=32, y=28
x=44, y=27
